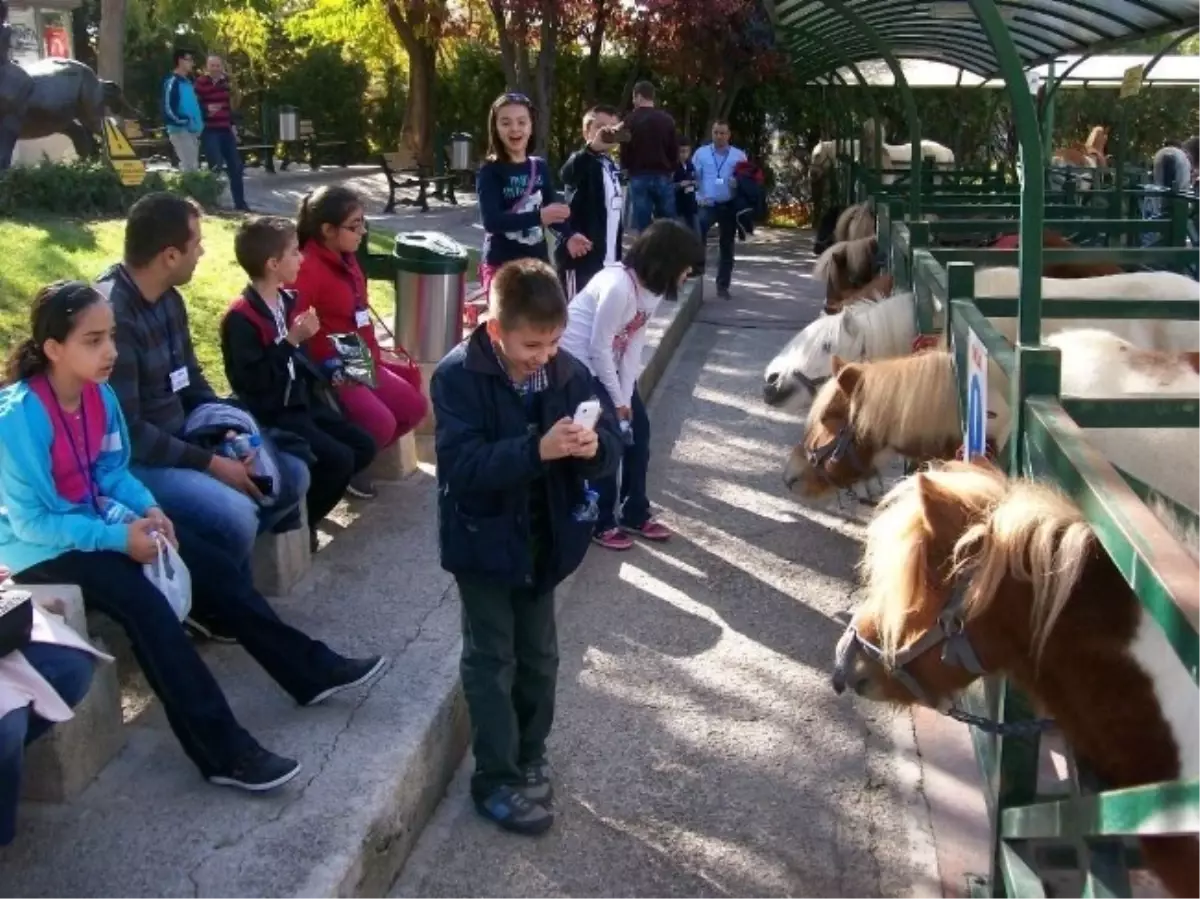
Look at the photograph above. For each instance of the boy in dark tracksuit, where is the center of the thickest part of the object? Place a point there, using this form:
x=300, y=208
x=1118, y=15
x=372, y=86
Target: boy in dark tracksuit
x=686, y=209
x=515, y=517
x=592, y=188
x=272, y=376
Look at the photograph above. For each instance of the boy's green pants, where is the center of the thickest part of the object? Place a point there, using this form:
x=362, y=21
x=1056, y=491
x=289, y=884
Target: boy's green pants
x=509, y=673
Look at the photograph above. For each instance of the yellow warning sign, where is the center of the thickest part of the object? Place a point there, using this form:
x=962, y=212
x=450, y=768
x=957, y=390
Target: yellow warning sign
x=121, y=155
x=1131, y=83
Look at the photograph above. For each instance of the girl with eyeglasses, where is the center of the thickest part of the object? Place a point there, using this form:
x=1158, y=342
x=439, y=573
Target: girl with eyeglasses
x=329, y=227
x=517, y=198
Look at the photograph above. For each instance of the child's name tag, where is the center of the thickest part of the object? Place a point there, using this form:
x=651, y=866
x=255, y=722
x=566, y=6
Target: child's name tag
x=362, y=318
x=617, y=204
x=690, y=189
x=179, y=379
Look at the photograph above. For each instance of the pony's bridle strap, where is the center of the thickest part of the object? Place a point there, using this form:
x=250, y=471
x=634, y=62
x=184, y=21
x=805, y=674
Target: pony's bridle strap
x=949, y=633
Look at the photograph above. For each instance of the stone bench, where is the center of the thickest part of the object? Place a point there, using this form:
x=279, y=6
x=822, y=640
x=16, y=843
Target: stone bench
x=59, y=764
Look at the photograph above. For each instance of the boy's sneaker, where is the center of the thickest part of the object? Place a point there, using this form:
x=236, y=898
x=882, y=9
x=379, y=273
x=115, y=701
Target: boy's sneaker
x=649, y=530
x=514, y=812
x=613, y=538
x=347, y=673
x=536, y=785
x=257, y=771
x=362, y=487
x=206, y=631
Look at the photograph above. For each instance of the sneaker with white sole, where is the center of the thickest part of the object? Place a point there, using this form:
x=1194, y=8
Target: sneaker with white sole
x=349, y=673
x=362, y=487
x=507, y=807
x=257, y=771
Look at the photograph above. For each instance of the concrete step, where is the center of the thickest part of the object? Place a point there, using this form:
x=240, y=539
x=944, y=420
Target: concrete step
x=376, y=761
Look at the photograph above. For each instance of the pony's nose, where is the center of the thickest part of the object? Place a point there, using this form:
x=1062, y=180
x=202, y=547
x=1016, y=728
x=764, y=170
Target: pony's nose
x=773, y=379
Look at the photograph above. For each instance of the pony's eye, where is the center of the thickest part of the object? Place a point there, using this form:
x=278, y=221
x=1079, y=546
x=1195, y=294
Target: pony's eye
x=827, y=347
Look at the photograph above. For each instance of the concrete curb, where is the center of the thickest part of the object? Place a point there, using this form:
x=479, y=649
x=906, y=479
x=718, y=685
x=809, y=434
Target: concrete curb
x=434, y=759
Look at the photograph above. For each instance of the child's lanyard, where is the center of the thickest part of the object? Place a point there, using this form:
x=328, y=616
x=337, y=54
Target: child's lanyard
x=85, y=471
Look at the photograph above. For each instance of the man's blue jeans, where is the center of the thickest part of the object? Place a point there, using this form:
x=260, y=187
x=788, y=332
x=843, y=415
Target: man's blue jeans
x=652, y=196
x=221, y=514
x=69, y=672
x=220, y=148
x=722, y=215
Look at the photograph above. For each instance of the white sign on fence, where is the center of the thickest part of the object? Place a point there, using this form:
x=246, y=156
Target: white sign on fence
x=975, y=439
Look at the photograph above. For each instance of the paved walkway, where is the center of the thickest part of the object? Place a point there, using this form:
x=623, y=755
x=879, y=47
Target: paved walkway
x=699, y=749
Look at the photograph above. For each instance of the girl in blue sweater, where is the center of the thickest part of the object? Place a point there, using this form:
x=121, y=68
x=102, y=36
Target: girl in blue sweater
x=71, y=513
x=516, y=194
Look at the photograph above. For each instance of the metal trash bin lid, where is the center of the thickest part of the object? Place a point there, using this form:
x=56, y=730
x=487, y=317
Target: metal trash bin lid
x=429, y=253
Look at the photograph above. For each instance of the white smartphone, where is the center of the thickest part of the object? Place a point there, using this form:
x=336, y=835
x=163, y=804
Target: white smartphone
x=587, y=413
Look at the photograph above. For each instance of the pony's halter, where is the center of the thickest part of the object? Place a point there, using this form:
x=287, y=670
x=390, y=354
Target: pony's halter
x=950, y=632
x=812, y=385
x=842, y=445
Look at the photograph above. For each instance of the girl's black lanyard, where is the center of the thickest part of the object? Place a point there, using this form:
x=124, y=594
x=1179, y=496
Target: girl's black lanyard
x=85, y=471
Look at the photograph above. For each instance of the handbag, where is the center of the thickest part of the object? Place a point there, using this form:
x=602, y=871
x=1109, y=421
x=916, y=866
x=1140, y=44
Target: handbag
x=16, y=620
x=172, y=578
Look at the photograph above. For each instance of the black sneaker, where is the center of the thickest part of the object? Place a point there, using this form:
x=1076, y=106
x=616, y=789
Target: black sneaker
x=506, y=807
x=723, y=293
x=257, y=771
x=536, y=786
x=362, y=487
x=314, y=541
x=349, y=673
x=207, y=631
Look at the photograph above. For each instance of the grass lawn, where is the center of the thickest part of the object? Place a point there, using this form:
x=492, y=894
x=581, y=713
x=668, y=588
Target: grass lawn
x=37, y=251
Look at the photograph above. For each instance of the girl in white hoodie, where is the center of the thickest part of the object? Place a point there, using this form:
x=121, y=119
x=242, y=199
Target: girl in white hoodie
x=606, y=330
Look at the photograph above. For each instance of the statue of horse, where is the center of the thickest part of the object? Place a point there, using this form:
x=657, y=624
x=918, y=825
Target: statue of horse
x=55, y=96
x=969, y=573
x=888, y=328
x=908, y=406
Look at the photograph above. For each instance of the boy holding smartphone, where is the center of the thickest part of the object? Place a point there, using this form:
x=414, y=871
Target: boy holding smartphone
x=515, y=516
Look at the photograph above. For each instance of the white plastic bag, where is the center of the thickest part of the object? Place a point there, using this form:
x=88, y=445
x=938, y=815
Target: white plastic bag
x=171, y=577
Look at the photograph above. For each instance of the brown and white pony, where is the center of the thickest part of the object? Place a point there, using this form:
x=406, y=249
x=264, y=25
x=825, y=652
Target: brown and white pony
x=1006, y=577
x=908, y=406
x=1088, y=155
x=1052, y=240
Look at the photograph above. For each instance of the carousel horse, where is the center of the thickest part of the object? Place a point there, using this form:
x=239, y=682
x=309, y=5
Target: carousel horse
x=969, y=573
x=888, y=328
x=1088, y=155
x=908, y=406
x=55, y=96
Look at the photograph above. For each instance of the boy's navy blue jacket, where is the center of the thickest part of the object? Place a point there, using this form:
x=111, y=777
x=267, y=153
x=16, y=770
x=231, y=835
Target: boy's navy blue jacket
x=487, y=461
x=685, y=200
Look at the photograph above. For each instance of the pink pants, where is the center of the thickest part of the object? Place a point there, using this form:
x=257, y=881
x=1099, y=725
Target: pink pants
x=392, y=409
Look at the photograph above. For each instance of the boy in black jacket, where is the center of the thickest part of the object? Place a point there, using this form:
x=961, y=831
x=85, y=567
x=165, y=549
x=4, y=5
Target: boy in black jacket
x=272, y=376
x=515, y=517
x=592, y=187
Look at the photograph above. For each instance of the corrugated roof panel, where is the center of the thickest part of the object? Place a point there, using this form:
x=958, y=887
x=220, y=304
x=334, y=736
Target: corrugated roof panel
x=947, y=31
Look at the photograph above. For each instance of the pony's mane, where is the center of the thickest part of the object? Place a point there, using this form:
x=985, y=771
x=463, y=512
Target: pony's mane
x=901, y=401
x=1016, y=528
x=855, y=257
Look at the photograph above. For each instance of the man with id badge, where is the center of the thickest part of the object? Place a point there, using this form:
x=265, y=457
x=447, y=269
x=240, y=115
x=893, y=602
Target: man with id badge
x=159, y=382
x=715, y=164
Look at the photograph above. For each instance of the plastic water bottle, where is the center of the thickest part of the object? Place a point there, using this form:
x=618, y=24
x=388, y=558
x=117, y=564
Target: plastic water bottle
x=242, y=446
x=114, y=512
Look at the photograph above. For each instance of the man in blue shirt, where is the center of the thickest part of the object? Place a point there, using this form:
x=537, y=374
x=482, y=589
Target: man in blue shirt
x=715, y=164
x=181, y=111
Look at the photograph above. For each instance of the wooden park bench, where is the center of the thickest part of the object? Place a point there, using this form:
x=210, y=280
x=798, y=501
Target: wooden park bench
x=255, y=151
x=309, y=147
x=403, y=171
x=149, y=143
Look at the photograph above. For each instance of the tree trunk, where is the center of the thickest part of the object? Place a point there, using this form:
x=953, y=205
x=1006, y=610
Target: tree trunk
x=417, y=132
x=547, y=56
x=81, y=39
x=514, y=47
x=110, y=45
x=591, y=66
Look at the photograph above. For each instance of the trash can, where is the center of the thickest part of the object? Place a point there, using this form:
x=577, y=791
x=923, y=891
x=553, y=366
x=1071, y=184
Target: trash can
x=289, y=123
x=460, y=152
x=431, y=286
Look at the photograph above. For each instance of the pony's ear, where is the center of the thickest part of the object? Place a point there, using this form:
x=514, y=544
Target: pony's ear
x=935, y=502
x=831, y=307
x=847, y=374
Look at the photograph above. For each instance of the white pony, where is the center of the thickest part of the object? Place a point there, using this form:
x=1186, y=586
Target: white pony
x=909, y=406
x=879, y=330
x=899, y=156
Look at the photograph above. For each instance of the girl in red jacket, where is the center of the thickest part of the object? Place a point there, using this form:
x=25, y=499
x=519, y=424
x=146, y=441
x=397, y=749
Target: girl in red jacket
x=330, y=227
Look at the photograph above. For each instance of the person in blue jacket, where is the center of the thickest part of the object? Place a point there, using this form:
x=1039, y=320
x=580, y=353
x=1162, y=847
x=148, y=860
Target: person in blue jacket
x=515, y=517
x=181, y=112
x=516, y=194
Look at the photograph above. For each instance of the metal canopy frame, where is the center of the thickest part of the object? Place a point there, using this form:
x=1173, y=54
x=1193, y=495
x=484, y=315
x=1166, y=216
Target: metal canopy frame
x=1039, y=30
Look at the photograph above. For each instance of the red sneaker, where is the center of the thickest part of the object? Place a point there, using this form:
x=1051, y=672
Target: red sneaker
x=651, y=530
x=613, y=538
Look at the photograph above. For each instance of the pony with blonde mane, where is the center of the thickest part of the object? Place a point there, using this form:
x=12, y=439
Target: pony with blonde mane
x=855, y=222
x=847, y=265
x=968, y=573
x=1088, y=155
x=888, y=327
x=908, y=406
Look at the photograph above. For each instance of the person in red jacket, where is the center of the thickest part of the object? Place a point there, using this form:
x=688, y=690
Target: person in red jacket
x=330, y=227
